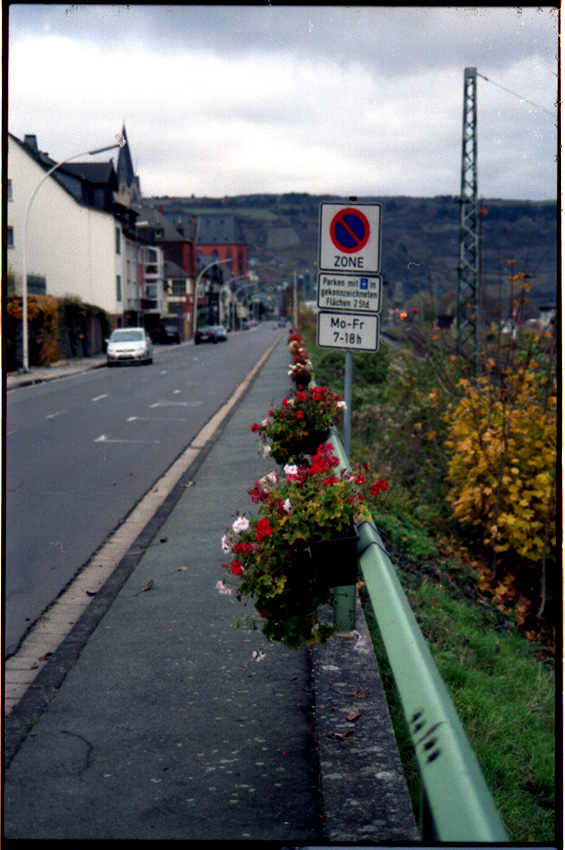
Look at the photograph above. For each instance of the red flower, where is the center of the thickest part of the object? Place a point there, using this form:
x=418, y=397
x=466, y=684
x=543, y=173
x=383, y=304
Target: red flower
x=237, y=568
x=300, y=414
x=377, y=486
x=255, y=427
x=263, y=529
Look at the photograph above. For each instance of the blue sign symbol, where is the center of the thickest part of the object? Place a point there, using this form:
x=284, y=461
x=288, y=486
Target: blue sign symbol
x=364, y=283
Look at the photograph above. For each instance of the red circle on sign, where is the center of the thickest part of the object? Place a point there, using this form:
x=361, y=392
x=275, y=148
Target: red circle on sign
x=350, y=230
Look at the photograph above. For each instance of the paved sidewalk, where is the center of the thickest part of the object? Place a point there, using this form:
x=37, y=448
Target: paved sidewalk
x=165, y=726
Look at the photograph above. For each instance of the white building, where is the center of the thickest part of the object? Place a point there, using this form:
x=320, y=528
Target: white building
x=80, y=242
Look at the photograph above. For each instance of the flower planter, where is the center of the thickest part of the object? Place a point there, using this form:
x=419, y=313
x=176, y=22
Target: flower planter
x=310, y=444
x=301, y=378
x=334, y=561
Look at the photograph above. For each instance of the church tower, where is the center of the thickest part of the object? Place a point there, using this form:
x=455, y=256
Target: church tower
x=129, y=191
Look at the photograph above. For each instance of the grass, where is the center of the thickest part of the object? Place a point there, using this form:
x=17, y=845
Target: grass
x=502, y=684
x=504, y=695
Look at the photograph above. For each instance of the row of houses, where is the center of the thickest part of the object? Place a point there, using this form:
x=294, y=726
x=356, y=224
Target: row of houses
x=89, y=234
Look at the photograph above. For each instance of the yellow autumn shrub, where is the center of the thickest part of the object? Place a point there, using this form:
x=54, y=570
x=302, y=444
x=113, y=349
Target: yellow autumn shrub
x=501, y=444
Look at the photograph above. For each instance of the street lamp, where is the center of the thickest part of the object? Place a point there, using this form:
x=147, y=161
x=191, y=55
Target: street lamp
x=231, y=280
x=197, y=284
x=119, y=144
x=237, y=291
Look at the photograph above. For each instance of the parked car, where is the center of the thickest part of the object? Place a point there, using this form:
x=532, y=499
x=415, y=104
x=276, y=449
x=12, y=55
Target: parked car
x=210, y=333
x=169, y=334
x=129, y=345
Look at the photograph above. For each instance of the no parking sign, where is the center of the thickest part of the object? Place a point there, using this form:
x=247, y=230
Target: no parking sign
x=350, y=238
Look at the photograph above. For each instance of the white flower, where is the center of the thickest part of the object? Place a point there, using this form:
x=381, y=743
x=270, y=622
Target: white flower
x=258, y=655
x=225, y=544
x=342, y=404
x=270, y=478
x=291, y=469
x=241, y=524
x=266, y=451
x=287, y=505
x=264, y=423
x=223, y=589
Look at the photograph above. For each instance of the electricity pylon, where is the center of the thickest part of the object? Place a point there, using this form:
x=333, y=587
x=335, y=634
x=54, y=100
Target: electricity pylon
x=468, y=269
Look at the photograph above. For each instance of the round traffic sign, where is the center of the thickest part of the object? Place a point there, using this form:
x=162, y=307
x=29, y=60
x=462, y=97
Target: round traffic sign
x=350, y=230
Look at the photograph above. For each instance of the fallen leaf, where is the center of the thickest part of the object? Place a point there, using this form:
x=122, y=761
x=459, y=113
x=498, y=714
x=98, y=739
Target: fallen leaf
x=34, y=666
x=163, y=539
x=91, y=592
x=353, y=715
x=360, y=694
x=182, y=569
x=189, y=484
x=342, y=736
x=46, y=656
x=147, y=587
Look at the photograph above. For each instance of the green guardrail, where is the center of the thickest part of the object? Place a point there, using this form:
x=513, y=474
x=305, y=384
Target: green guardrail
x=456, y=802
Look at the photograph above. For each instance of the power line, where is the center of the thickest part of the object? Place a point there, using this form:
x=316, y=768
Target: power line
x=531, y=102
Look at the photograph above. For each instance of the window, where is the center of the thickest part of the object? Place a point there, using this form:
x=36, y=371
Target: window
x=10, y=237
x=152, y=256
x=151, y=291
x=118, y=287
x=9, y=191
x=118, y=242
x=179, y=287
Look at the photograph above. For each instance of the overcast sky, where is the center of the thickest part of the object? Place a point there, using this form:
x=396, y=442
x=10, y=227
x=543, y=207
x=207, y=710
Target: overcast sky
x=226, y=100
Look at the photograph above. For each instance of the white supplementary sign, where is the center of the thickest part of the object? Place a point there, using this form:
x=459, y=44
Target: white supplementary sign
x=357, y=332
x=349, y=292
x=350, y=238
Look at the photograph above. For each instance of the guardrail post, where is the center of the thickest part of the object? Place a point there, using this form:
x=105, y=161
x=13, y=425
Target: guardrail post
x=344, y=607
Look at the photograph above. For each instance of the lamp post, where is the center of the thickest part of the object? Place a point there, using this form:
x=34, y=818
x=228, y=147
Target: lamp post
x=119, y=144
x=197, y=284
x=238, y=290
x=231, y=280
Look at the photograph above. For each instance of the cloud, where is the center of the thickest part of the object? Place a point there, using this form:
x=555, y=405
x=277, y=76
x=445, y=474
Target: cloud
x=232, y=99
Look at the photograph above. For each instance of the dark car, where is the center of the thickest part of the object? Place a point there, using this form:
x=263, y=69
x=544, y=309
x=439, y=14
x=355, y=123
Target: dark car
x=169, y=334
x=210, y=333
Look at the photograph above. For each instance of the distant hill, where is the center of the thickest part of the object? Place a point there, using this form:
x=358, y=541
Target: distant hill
x=420, y=240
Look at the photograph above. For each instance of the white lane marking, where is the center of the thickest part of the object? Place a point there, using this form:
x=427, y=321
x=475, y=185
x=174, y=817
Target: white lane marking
x=155, y=419
x=104, y=438
x=53, y=415
x=165, y=403
x=99, y=397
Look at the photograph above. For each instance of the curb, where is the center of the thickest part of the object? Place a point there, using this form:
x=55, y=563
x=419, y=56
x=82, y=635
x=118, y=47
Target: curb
x=364, y=791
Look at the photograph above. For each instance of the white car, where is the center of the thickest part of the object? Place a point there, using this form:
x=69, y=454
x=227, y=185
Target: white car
x=129, y=345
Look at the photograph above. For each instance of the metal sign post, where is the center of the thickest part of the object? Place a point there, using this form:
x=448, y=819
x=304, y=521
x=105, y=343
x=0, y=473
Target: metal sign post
x=349, y=295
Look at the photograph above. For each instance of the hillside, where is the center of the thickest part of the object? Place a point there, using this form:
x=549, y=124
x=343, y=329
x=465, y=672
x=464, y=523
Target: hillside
x=420, y=240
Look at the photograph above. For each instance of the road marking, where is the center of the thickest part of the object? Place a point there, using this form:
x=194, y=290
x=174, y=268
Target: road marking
x=155, y=419
x=104, y=438
x=99, y=397
x=165, y=403
x=53, y=415
x=52, y=628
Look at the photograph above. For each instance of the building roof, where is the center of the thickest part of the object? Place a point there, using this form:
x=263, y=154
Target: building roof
x=219, y=229
x=173, y=270
x=150, y=219
x=90, y=183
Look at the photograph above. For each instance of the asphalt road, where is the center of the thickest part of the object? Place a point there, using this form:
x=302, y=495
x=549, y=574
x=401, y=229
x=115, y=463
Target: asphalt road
x=83, y=450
